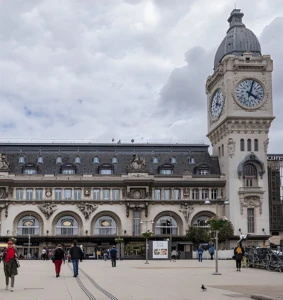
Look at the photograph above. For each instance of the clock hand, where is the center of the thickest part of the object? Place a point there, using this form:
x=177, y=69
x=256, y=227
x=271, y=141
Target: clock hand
x=251, y=86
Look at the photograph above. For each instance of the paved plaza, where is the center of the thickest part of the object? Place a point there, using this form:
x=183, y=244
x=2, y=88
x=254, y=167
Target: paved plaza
x=136, y=280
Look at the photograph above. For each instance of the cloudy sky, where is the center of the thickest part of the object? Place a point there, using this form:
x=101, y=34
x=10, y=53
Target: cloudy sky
x=103, y=69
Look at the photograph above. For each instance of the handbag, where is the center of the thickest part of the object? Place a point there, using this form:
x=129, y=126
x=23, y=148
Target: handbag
x=17, y=262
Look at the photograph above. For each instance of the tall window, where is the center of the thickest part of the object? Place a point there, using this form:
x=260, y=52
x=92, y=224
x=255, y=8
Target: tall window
x=204, y=193
x=157, y=194
x=38, y=194
x=242, y=145
x=195, y=194
x=176, y=194
x=68, y=194
x=256, y=145
x=67, y=225
x=222, y=150
x=167, y=193
x=19, y=194
x=249, y=145
x=29, y=194
x=77, y=194
x=219, y=152
x=58, y=194
x=105, y=225
x=116, y=194
x=106, y=194
x=96, y=194
x=251, y=220
x=28, y=225
x=250, y=175
x=166, y=225
x=137, y=221
x=155, y=160
x=214, y=194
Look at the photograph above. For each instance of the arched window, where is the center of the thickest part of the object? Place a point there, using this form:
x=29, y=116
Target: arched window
x=201, y=221
x=222, y=150
x=58, y=160
x=242, y=145
x=219, y=152
x=105, y=225
x=67, y=225
x=77, y=160
x=40, y=160
x=173, y=160
x=256, y=145
x=21, y=160
x=155, y=160
x=28, y=225
x=249, y=145
x=166, y=225
x=114, y=160
x=191, y=160
x=250, y=175
x=95, y=160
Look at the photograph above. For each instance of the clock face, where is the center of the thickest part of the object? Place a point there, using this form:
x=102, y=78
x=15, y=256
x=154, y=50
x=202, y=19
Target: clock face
x=249, y=93
x=217, y=104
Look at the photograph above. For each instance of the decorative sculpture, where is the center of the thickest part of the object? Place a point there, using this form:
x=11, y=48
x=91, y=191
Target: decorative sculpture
x=47, y=209
x=186, y=210
x=87, y=209
x=137, y=164
x=4, y=192
x=231, y=147
x=48, y=192
x=251, y=202
x=4, y=165
x=87, y=192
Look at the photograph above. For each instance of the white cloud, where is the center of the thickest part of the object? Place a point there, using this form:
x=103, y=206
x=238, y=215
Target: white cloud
x=103, y=69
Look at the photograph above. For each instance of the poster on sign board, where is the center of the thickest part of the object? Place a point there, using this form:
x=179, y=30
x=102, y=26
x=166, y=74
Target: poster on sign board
x=160, y=249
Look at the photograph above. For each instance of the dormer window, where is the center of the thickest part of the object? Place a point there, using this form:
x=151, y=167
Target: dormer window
x=155, y=160
x=58, y=160
x=95, y=160
x=203, y=172
x=106, y=169
x=21, y=160
x=29, y=169
x=191, y=160
x=166, y=169
x=40, y=160
x=202, y=169
x=68, y=169
x=114, y=160
x=77, y=160
x=173, y=160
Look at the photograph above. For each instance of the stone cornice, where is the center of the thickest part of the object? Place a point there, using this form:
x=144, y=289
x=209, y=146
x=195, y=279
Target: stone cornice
x=239, y=125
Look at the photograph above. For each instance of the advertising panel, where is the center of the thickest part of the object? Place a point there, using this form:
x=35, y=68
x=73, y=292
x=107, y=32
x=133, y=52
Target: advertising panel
x=160, y=249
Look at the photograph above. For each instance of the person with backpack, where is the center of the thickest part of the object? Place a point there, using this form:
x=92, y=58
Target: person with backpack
x=10, y=265
x=57, y=258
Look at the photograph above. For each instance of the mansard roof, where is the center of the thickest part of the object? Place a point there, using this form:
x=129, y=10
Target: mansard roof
x=105, y=153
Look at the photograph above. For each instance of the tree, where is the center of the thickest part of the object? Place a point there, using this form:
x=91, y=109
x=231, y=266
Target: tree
x=197, y=235
x=223, y=225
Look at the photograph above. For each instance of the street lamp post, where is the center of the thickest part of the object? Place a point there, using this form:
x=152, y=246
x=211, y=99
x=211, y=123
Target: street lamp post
x=146, y=239
x=28, y=255
x=224, y=202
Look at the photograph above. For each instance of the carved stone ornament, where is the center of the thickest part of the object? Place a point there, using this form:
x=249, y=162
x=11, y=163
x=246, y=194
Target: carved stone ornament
x=87, y=209
x=87, y=192
x=4, y=165
x=47, y=209
x=231, y=147
x=186, y=210
x=186, y=192
x=137, y=164
x=48, y=192
x=4, y=191
x=136, y=207
x=265, y=145
x=251, y=202
x=4, y=206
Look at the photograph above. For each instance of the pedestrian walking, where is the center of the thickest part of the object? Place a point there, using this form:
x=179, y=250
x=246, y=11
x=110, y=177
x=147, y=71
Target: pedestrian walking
x=10, y=265
x=43, y=254
x=211, y=251
x=105, y=254
x=113, y=255
x=200, y=252
x=57, y=258
x=76, y=255
x=239, y=254
x=174, y=254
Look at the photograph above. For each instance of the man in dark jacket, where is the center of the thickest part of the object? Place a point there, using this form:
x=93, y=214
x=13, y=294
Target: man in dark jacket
x=76, y=255
x=113, y=255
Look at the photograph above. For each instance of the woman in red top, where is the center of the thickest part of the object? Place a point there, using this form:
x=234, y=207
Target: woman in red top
x=10, y=265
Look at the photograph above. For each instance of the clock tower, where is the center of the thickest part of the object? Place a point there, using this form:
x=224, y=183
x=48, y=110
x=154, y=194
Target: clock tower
x=240, y=112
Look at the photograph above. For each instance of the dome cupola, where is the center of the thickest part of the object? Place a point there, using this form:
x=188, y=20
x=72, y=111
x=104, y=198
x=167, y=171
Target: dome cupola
x=238, y=39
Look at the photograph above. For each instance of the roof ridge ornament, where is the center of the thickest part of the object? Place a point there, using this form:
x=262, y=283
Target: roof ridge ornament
x=235, y=19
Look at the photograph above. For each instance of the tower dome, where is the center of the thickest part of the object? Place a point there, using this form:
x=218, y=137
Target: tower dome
x=238, y=39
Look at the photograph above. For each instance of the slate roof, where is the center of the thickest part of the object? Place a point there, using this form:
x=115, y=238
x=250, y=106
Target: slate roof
x=105, y=152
